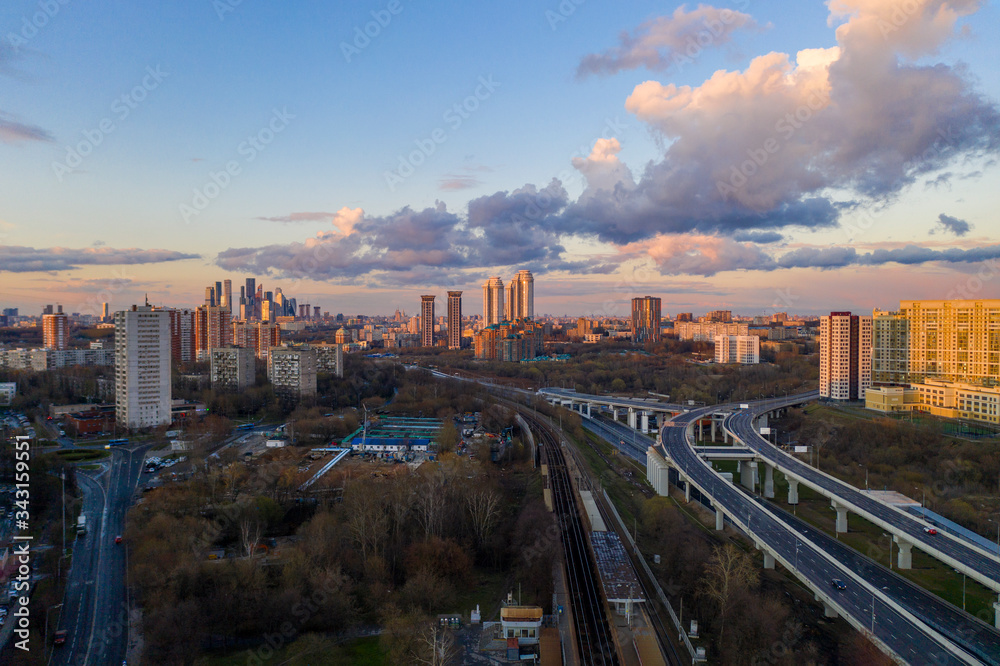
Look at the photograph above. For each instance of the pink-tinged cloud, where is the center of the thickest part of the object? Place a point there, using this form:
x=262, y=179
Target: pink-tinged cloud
x=667, y=41
x=20, y=259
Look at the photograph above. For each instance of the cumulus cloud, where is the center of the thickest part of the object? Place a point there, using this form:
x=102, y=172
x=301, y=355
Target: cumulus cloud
x=668, y=40
x=749, y=157
x=21, y=259
x=949, y=224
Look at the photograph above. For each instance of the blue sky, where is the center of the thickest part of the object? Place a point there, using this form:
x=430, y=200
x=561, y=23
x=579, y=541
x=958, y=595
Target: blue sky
x=200, y=78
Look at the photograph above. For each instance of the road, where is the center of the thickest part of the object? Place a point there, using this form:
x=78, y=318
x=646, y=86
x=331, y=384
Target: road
x=869, y=606
x=95, y=608
x=984, y=567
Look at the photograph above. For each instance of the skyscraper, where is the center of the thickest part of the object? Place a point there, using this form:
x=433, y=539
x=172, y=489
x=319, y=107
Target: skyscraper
x=251, y=293
x=105, y=312
x=142, y=367
x=55, y=330
x=645, y=319
x=227, y=294
x=182, y=335
x=454, y=320
x=525, y=295
x=427, y=321
x=845, y=356
x=510, y=301
x=493, y=310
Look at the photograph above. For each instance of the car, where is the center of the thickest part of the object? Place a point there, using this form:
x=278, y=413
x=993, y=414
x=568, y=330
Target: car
x=118, y=539
x=838, y=584
x=930, y=530
x=60, y=637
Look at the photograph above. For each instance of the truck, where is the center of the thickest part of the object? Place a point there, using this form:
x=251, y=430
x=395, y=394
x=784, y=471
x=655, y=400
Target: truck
x=81, y=525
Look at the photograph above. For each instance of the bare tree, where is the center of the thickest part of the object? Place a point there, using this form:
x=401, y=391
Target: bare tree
x=367, y=519
x=729, y=572
x=484, y=511
x=430, y=504
x=436, y=646
x=250, y=533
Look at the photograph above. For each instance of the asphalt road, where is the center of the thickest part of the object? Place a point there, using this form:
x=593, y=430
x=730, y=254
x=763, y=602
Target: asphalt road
x=95, y=610
x=910, y=640
x=988, y=566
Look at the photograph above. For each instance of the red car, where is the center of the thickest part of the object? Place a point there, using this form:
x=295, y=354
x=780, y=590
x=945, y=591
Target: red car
x=118, y=539
x=930, y=530
x=60, y=637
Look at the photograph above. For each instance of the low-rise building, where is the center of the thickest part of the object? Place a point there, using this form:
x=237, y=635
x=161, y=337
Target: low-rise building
x=7, y=392
x=938, y=397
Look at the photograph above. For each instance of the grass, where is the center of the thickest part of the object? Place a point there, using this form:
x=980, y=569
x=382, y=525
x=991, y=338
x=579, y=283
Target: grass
x=306, y=650
x=75, y=455
x=489, y=590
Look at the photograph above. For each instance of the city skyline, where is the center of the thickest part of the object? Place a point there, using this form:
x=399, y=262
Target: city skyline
x=158, y=166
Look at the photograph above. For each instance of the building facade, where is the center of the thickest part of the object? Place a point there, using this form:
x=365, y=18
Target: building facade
x=427, y=321
x=233, y=368
x=330, y=358
x=142, y=367
x=743, y=349
x=292, y=371
x=845, y=356
x=645, y=319
x=55, y=330
x=493, y=301
x=454, y=320
x=509, y=341
x=706, y=331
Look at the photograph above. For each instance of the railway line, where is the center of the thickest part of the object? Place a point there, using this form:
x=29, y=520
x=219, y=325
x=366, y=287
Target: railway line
x=594, y=634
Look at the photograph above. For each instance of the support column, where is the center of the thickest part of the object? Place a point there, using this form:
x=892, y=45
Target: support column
x=996, y=614
x=588, y=410
x=829, y=611
x=762, y=421
x=768, y=481
x=793, y=491
x=687, y=491
x=720, y=518
x=841, y=517
x=748, y=474
x=645, y=422
x=631, y=418
x=768, y=560
x=905, y=558
x=713, y=428
x=614, y=413
x=725, y=436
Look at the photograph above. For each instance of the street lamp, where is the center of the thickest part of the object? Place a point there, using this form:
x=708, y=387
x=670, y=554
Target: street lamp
x=866, y=474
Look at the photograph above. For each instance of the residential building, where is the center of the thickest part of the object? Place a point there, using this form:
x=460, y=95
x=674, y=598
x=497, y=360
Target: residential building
x=743, y=349
x=258, y=335
x=292, y=371
x=509, y=341
x=685, y=316
x=940, y=398
x=645, y=319
x=721, y=316
x=7, y=392
x=233, y=368
x=329, y=358
x=427, y=321
x=182, y=335
x=520, y=302
x=493, y=301
x=845, y=356
x=706, y=331
x=142, y=367
x=55, y=330
x=213, y=327
x=956, y=341
x=454, y=320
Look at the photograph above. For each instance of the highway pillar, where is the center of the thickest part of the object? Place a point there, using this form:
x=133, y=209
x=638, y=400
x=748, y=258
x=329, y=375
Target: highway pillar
x=713, y=428
x=905, y=555
x=720, y=518
x=841, y=517
x=631, y=418
x=588, y=410
x=701, y=431
x=829, y=611
x=996, y=614
x=762, y=421
x=768, y=560
x=614, y=413
x=725, y=436
x=645, y=422
x=793, y=491
x=768, y=481
x=748, y=474
x=687, y=490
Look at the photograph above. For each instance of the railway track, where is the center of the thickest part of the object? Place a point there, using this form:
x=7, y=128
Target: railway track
x=594, y=634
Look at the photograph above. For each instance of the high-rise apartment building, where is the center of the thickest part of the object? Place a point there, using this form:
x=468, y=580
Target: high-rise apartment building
x=213, y=328
x=182, y=335
x=949, y=340
x=55, y=330
x=493, y=301
x=227, y=294
x=329, y=358
x=743, y=349
x=233, y=368
x=510, y=301
x=721, y=316
x=845, y=356
x=258, y=335
x=292, y=370
x=509, y=341
x=645, y=319
x=454, y=320
x=142, y=367
x=427, y=321
x=105, y=312
x=521, y=297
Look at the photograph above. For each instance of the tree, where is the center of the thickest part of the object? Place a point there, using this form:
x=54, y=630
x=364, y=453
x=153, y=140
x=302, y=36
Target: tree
x=729, y=572
x=437, y=646
x=484, y=511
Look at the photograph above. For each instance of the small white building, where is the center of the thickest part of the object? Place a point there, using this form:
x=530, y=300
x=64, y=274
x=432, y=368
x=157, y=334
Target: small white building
x=7, y=392
x=521, y=622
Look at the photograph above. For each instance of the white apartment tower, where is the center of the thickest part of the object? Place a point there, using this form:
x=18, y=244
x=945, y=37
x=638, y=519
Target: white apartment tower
x=142, y=367
x=845, y=356
x=493, y=309
x=743, y=349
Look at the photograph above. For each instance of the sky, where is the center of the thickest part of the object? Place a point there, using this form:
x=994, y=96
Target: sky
x=741, y=155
